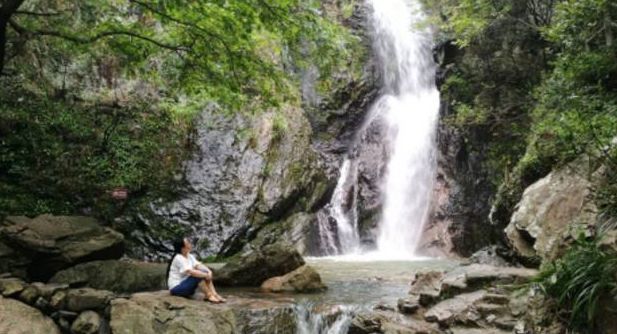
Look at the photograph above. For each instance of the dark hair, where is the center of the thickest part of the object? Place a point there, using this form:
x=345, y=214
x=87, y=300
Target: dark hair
x=178, y=244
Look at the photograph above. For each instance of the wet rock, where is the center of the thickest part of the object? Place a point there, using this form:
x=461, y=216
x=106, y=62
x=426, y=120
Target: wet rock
x=253, y=267
x=390, y=323
x=247, y=172
x=471, y=277
x=115, y=275
x=19, y=318
x=303, y=279
x=158, y=312
x=11, y=286
x=552, y=211
x=495, y=256
x=427, y=286
x=51, y=243
x=87, y=299
x=450, y=310
x=408, y=305
x=88, y=322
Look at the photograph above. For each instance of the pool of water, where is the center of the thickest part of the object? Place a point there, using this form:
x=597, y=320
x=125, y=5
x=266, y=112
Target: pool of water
x=355, y=284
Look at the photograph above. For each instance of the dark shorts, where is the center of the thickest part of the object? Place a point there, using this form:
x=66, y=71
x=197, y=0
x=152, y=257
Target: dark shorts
x=187, y=287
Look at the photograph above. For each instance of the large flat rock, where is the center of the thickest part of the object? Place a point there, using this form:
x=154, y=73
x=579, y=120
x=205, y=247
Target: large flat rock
x=159, y=312
x=115, y=275
x=49, y=243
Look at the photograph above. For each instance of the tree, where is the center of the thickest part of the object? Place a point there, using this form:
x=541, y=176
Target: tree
x=210, y=46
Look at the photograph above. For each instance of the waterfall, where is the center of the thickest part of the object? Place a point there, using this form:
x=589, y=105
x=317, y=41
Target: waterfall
x=409, y=107
x=404, y=51
x=331, y=320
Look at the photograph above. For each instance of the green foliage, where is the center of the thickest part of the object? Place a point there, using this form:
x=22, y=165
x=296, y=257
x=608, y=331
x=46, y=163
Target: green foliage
x=58, y=157
x=580, y=281
x=227, y=52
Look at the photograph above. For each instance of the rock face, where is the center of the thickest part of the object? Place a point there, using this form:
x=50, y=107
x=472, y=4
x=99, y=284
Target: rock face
x=19, y=318
x=253, y=267
x=114, y=275
x=246, y=173
x=46, y=244
x=162, y=313
x=303, y=279
x=552, y=212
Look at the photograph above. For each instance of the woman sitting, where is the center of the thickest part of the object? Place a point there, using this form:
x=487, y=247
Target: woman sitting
x=185, y=274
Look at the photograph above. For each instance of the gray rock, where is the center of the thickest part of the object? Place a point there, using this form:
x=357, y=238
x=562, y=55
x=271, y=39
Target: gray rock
x=247, y=172
x=390, y=323
x=158, y=312
x=552, y=212
x=52, y=243
x=408, y=305
x=427, y=286
x=19, y=318
x=30, y=294
x=58, y=300
x=88, y=322
x=11, y=286
x=304, y=279
x=115, y=275
x=78, y=300
x=449, y=310
x=471, y=277
x=253, y=267
x=48, y=290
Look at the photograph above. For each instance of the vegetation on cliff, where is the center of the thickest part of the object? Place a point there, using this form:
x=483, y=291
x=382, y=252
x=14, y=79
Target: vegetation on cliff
x=98, y=94
x=533, y=86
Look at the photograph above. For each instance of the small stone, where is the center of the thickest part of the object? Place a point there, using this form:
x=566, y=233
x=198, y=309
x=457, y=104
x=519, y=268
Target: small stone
x=11, y=286
x=48, y=290
x=58, y=300
x=43, y=305
x=383, y=307
x=88, y=322
x=29, y=295
x=408, y=305
x=68, y=315
x=491, y=318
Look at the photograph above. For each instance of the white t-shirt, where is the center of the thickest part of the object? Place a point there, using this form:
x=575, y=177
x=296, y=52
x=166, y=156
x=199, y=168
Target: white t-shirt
x=179, y=269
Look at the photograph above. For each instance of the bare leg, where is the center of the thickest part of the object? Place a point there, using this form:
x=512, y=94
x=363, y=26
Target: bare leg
x=211, y=288
x=205, y=288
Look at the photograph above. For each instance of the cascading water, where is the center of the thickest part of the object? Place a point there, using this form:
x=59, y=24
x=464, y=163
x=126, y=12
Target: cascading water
x=409, y=107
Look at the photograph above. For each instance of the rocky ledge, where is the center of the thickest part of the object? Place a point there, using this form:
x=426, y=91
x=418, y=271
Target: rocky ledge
x=476, y=298
x=56, y=308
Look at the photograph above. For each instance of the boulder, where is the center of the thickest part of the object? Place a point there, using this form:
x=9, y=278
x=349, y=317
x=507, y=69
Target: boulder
x=303, y=279
x=253, y=267
x=78, y=300
x=159, y=312
x=19, y=318
x=475, y=276
x=88, y=322
x=51, y=243
x=114, y=275
x=427, y=286
x=552, y=212
x=450, y=310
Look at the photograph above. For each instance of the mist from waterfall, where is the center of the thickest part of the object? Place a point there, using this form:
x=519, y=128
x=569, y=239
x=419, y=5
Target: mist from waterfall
x=404, y=51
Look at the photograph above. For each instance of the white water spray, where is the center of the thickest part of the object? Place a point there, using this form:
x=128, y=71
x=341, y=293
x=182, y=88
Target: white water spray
x=409, y=107
x=411, y=102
